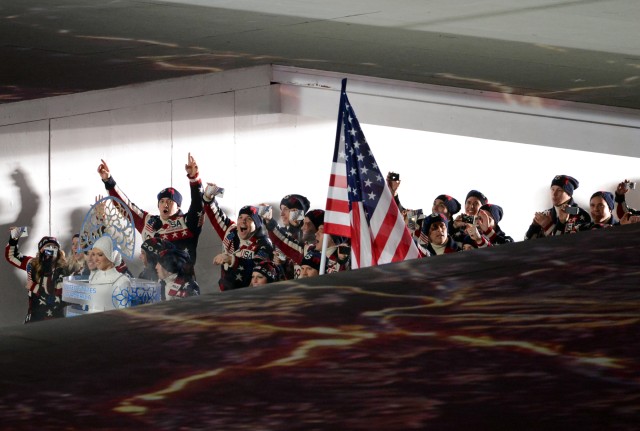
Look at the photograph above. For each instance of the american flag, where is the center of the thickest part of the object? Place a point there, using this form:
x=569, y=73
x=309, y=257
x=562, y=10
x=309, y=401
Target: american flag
x=359, y=203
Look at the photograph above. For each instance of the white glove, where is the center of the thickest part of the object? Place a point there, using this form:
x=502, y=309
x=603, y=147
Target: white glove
x=18, y=232
x=265, y=211
x=210, y=192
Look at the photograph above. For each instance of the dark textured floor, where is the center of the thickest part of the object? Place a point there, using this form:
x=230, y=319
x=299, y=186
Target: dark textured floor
x=531, y=335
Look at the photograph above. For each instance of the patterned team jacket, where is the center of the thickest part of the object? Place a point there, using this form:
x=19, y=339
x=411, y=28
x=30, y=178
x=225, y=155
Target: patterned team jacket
x=557, y=227
x=244, y=253
x=181, y=229
x=295, y=250
x=175, y=287
x=45, y=295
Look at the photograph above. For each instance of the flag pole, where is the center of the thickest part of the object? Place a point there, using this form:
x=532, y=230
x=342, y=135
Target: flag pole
x=325, y=240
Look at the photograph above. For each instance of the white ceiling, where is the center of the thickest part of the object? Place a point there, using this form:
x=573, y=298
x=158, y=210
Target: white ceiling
x=586, y=51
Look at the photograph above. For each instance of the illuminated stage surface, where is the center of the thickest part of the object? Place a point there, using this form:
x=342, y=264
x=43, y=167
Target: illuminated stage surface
x=538, y=335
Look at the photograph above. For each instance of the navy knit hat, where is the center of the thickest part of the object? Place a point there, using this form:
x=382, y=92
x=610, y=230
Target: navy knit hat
x=175, y=261
x=567, y=183
x=267, y=269
x=608, y=198
x=476, y=194
x=252, y=211
x=312, y=259
x=48, y=240
x=172, y=194
x=156, y=245
x=495, y=211
x=453, y=206
x=316, y=217
x=431, y=219
x=297, y=202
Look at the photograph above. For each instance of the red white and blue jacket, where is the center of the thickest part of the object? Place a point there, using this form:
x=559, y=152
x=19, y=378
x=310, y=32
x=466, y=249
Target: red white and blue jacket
x=45, y=294
x=244, y=253
x=557, y=227
x=183, y=230
x=426, y=250
x=175, y=287
x=296, y=250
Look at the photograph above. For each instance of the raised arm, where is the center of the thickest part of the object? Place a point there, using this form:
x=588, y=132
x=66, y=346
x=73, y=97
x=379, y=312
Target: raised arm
x=195, y=216
x=12, y=251
x=139, y=215
x=219, y=220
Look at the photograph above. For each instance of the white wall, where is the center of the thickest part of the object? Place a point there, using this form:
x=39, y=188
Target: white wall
x=262, y=141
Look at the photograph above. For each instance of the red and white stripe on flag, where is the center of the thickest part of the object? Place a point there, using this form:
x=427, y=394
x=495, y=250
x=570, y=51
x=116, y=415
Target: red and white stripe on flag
x=336, y=216
x=383, y=238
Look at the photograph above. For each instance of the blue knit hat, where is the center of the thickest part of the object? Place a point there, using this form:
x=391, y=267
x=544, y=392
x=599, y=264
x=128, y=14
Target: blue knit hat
x=156, y=245
x=453, y=206
x=481, y=197
x=253, y=212
x=48, y=240
x=312, y=259
x=495, y=211
x=268, y=269
x=172, y=194
x=607, y=196
x=316, y=217
x=175, y=261
x=295, y=202
x=565, y=182
x=431, y=219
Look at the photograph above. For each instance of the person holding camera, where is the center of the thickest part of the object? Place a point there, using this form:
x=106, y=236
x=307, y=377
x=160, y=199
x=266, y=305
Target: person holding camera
x=243, y=241
x=434, y=237
x=564, y=217
x=447, y=205
x=44, y=275
x=472, y=204
x=393, y=182
x=488, y=218
x=172, y=224
x=625, y=214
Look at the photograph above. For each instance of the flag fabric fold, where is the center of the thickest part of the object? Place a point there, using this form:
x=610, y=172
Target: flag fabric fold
x=359, y=203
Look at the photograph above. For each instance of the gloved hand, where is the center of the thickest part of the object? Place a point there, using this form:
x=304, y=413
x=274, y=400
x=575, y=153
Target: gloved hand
x=17, y=232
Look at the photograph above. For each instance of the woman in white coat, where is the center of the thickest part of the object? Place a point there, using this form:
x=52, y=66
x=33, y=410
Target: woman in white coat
x=112, y=288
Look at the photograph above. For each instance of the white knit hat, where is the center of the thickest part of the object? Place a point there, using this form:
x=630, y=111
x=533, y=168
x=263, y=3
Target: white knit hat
x=105, y=243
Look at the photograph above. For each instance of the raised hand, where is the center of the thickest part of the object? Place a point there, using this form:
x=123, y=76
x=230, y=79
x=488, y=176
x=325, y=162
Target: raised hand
x=191, y=167
x=485, y=222
x=100, y=208
x=265, y=211
x=622, y=188
x=103, y=170
x=210, y=192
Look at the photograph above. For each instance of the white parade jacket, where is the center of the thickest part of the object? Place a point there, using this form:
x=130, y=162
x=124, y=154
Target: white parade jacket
x=112, y=290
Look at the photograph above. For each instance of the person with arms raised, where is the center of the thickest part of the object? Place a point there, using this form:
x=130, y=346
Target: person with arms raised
x=183, y=230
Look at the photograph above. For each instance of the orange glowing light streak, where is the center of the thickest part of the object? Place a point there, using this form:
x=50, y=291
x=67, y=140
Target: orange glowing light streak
x=128, y=39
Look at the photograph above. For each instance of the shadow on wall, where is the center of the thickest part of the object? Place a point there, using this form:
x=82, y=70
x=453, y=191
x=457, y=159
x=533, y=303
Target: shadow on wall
x=13, y=305
x=77, y=218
